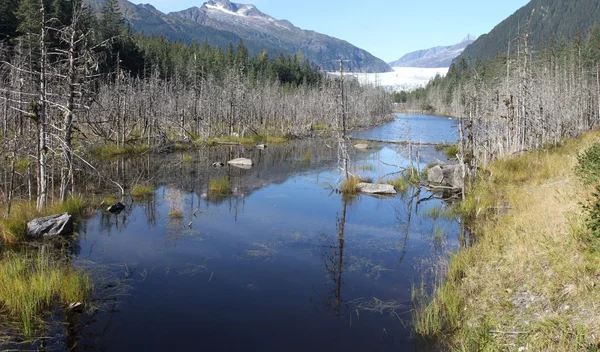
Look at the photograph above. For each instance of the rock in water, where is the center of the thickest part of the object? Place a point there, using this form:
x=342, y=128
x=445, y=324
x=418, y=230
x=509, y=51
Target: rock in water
x=372, y=188
x=218, y=164
x=362, y=146
x=447, y=175
x=435, y=174
x=261, y=146
x=116, y=208
x=241, y=162
x=50, y=226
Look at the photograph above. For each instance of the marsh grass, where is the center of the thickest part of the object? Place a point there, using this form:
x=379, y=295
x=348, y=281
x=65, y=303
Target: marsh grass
x=140, y=191
x=13, y=229
x=112, y=150
x=533, y=267
x=408, y=177
x=32, y=284
x=306, y=157
x=450, y=150
x=187, y=159
x=175, y=199
x=350, y=185
x=219, y=186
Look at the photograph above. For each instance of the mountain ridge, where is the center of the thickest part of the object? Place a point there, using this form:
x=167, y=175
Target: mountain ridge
x=542, y=20
x=220, y=22
x=436, y=57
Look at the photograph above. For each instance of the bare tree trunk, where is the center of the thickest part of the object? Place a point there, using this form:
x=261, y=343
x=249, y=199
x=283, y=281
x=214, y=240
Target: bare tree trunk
x=43, y=149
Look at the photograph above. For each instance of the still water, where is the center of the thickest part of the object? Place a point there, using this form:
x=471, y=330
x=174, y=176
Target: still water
x=284, y=263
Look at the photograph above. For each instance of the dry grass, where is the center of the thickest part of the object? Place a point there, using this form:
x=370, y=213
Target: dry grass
x=533, y=269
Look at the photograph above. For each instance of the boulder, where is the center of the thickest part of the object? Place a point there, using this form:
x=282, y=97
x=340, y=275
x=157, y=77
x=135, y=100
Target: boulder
x=362, y=146
x=261, y=146
x=435, y=174
x=372, y=188
x=449, y=175
x=241, y=162
x=50, y=226
x=116, y=208
x=453, y=175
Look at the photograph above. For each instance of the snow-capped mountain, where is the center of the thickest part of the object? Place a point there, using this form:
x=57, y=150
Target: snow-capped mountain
x=439, y=56
x=220, y=22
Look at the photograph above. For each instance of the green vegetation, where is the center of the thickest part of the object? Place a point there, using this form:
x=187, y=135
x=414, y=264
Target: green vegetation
x=545, y=19
x=400, y=184
x=306, y=156
x=14, y=228
x=533, y=267
x=139, y=191
x=104, y=152
x=219, y=185
x=350, y=185
x=450, y=150
x=31, y=284
x=186, y=159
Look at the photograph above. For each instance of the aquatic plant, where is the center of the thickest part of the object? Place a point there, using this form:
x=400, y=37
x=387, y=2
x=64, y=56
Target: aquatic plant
x=139, y=191
x=219, y=185
x=32, y=283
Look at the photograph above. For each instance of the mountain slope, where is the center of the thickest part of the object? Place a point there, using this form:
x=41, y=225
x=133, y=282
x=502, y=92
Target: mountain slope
x=547, y=18
x=440, y=56
x=220, y=22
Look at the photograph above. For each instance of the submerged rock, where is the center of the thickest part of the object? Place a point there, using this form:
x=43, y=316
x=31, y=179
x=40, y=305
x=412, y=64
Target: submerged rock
x=50, y=226
x=372, y=188
x=362, y=146
x=116, y=208
x=241, y=162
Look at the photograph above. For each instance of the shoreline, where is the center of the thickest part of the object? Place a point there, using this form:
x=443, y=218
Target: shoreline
x=531, y=279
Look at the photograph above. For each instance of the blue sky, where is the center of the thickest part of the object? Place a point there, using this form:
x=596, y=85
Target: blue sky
x=387, y=29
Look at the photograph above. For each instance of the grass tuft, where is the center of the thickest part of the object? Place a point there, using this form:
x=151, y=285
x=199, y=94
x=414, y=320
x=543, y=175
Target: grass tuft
x=139, y=191
x=219, y=185
x=31, y=284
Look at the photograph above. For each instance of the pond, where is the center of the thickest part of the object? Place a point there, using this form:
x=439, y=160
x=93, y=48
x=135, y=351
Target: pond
x=283, y=263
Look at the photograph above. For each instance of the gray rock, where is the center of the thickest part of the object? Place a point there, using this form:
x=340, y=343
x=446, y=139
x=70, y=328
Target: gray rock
x=50, y=226
x=362, y=146
x=261, y=146
x=435, y=174
x=241, y=162
x=453, y=175
x=372, y=188
x=449, y=175
x=217, y=164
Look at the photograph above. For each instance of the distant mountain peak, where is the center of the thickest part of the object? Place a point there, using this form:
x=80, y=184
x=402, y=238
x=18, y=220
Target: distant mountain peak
x=439, y=56
x=232, y=8
x=469, y=37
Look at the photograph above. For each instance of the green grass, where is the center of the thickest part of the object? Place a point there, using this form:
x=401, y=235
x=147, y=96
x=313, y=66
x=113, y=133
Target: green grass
x=349, y=185
x=14, y=228
x=112, y=150
x=186, y=159
x=176, y=214
x=306, y=157
x=450, y=150
x=219, y=185
x=32, y=284
x=367, y=167
x=400, y=184
x=139, y=191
